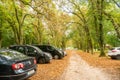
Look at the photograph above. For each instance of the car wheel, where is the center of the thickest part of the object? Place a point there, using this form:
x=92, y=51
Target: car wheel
x=47, y=60
x=41, y=61
x=56, y=57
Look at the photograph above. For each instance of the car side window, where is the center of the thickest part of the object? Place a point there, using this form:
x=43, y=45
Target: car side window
x=14, y=47
x=21, y=49
x=50, y=48
x=31, y=50
x=43, y=48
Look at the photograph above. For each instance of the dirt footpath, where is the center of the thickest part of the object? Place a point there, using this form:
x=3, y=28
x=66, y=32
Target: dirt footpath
x=78, y=65
x=78, y=69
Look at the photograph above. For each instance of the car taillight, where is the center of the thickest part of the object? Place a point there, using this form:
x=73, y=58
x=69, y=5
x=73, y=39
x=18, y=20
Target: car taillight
x=114, y=51
x=35, y=61
x=17, y=66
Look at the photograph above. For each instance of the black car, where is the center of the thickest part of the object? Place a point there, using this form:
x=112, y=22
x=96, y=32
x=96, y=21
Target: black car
x=33, y=51
x=56, y=53
x=16, y=66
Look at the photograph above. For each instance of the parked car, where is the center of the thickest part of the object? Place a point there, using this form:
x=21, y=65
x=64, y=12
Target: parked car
x=41, y=57
x=114, y=53
x=56, y=53
x=64, y=52
x=16, y=66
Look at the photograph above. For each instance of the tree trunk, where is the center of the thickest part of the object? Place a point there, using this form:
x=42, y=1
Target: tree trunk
x=89, y=41
x=87, y=31
x=0, y=42
x=0, y=33
x=100, y=18
x=63, y=43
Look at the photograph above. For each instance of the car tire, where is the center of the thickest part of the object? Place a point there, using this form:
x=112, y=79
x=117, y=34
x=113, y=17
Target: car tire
x=41, y=60
x=47, y=60
x=56, y=57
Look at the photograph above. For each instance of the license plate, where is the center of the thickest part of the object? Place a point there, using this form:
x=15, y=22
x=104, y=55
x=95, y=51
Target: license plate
x=31, y=72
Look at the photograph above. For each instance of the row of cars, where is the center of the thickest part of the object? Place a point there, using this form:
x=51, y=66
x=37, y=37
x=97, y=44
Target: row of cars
x=20, y=61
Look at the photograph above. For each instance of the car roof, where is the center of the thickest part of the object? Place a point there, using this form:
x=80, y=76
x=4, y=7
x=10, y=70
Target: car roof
x=29, y=46
x=22, y=45
x=42, y=44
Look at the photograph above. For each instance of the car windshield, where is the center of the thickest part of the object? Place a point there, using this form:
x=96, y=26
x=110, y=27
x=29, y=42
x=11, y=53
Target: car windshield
x=10, y=54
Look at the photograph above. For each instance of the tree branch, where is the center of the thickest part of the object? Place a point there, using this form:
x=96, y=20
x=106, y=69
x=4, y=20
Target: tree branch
x=116, y=3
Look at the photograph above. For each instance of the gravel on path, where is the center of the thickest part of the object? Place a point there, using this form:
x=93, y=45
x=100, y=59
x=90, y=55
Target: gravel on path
x=78, y=69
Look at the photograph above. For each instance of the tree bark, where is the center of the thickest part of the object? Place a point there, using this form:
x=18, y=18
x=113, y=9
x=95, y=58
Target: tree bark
x=0, y=33
x=101, y=34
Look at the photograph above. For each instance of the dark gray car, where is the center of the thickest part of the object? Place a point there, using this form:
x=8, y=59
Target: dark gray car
x=41, y=57
x=56, y=53
x=15, y=65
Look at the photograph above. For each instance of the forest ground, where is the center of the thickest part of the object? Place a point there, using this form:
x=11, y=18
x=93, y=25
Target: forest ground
x=78, y=65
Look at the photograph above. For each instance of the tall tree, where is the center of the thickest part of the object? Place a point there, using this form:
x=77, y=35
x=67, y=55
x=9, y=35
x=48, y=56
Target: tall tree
x=100, y=4
x=15, y=16
x=1, y=22
x=97, y=8
x=82, y=17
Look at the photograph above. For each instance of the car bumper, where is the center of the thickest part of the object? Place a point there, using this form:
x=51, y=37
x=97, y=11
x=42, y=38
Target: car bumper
x=21, y=76
x=115, y=56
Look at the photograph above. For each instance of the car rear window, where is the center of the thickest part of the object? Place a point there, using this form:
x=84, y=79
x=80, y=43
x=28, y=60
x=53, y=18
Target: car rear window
x=10, y=54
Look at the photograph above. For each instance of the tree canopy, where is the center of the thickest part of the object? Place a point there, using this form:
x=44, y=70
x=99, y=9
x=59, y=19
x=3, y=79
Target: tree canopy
x=85, y=24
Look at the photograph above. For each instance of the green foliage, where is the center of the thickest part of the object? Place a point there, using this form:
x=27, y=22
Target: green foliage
x=42, y=22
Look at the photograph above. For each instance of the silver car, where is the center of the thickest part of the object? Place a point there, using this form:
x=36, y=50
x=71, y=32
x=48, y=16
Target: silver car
x=114, y=53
